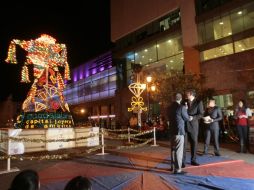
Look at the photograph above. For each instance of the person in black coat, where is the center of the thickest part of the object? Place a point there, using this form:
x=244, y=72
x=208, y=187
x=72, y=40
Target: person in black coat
x=196, y=110
x=212, y=117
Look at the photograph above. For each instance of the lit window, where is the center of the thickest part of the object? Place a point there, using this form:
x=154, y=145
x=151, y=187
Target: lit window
x=217, y=52
x=244, y=44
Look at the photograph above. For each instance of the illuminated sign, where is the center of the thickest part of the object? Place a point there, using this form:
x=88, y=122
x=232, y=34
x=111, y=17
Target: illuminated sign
x=44, y=120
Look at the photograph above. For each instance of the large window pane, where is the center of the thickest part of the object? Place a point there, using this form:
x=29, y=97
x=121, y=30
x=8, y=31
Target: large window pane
x=130, y=58
x=237, y=20
x=146, y=55
x=217, y=52
x=173, y=63
x=201, y=33
x=169, y=46
x=224, y=101
x=209, y=34
x=245, y=44
x=222, y=27
x=248, y=16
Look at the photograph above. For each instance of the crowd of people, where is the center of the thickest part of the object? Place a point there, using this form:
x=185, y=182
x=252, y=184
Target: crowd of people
x=29, y=180
x=185, y=117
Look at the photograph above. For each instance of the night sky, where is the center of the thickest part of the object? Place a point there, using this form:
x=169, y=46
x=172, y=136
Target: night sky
x=84, y=26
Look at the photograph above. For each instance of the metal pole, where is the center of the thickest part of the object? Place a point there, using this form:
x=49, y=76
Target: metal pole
x=8, y=159
x=154, y=137
x=129, y=139
x=8, y=169
x=139, y=119
x=148, y=104
x=8, y=164
x=102, y=141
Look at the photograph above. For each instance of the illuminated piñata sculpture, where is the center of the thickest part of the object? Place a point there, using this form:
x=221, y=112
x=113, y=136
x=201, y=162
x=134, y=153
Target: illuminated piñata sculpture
x=45, y=105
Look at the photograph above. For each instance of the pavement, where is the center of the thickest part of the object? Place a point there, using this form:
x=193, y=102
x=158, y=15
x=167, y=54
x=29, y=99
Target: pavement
x=142, y=158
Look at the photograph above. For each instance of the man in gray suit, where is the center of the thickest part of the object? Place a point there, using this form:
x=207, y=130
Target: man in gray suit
x=177, y=117
x=211, y=118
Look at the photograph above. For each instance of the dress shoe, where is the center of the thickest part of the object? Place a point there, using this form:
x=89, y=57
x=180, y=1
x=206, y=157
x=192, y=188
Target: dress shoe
x=180, y=173
x=204, y=153
x=194, y=163
x=183, y=165
x=217, y=154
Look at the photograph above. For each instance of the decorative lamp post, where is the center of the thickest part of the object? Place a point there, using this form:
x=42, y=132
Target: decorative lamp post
x=82, y=111
x=153, y=88
x=148, y=80
x=137, y=104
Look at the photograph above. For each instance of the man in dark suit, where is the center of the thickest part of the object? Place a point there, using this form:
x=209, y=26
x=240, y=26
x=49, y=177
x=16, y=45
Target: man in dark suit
x=212, y=117
x=196, y=110
x=177, y=117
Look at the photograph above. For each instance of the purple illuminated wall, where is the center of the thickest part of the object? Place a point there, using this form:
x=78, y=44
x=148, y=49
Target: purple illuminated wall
x=99, y=64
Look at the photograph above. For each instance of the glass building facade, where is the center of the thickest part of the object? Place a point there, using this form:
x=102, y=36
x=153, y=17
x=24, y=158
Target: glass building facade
x=224, y=27
x=92, y=81
x=163, y=56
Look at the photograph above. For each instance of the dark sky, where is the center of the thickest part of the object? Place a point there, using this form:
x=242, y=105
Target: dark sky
x=84, y=26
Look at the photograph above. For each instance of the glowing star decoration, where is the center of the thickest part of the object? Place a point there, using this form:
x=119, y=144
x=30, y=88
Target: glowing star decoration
x=46, y=56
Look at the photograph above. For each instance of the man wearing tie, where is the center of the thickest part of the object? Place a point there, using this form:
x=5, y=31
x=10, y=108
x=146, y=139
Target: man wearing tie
x=196, y=110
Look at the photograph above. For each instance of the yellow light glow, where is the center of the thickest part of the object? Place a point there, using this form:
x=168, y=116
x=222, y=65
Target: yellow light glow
x=46, y=39
x=148, y=78
x=82, y=110
x=153, y=87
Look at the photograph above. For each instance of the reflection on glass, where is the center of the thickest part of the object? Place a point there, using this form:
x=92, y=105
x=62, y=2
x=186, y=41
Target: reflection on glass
x=169, y=46
x=98, y=86
x=245, y=44
x=222, y=27
x=166, y=55
x=237, y=20
x=217, y=52
x=146, y=55
x=201, y=33
x=168, y=65
x=248, y=13
x=209, y=31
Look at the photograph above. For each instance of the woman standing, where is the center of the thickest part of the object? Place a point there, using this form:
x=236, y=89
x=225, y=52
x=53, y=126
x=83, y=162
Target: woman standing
x=212, y=117
x=241, y=115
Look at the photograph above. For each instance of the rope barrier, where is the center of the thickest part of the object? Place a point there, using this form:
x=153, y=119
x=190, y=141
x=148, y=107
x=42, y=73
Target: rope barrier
x=102, y=146
x=135, y=146
x=43, y=140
